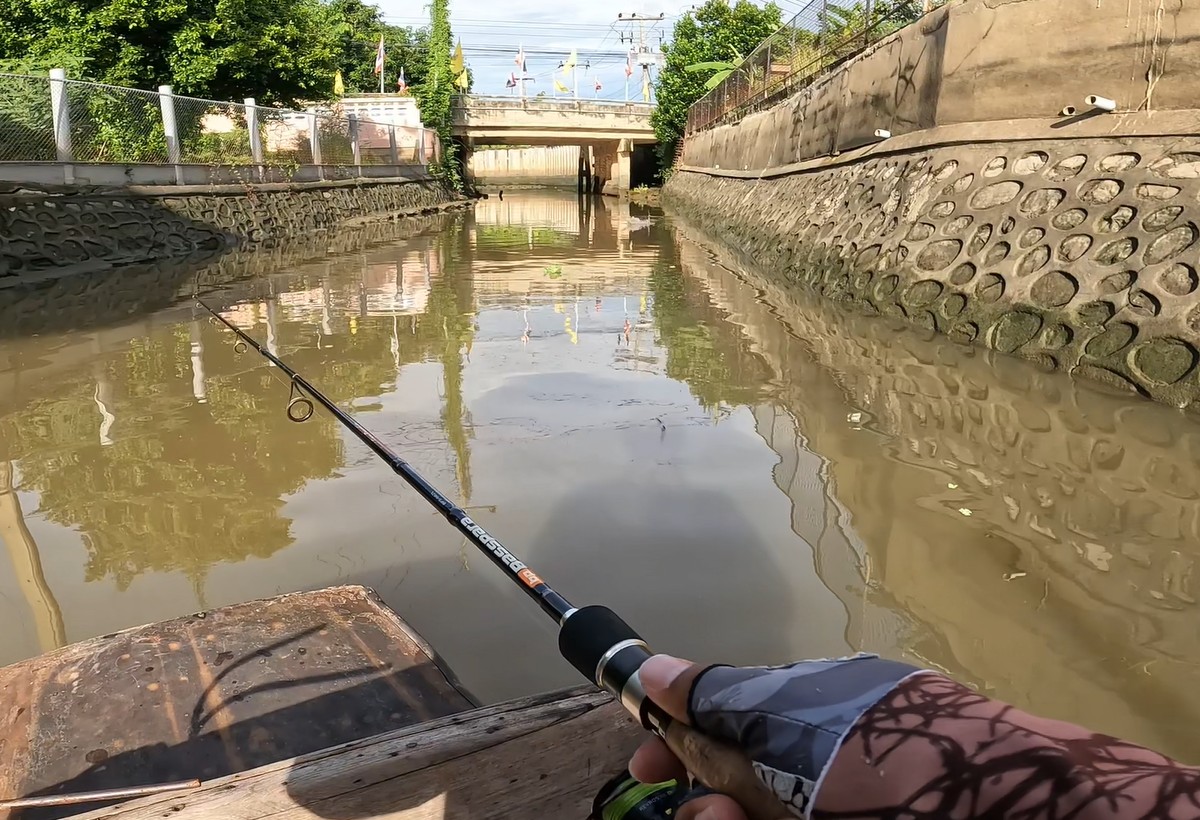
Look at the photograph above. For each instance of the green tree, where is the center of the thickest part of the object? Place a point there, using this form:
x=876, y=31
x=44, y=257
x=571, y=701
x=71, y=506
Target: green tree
x=435, y=94
x=275, y=50
x=357, y=34
x=715, y=32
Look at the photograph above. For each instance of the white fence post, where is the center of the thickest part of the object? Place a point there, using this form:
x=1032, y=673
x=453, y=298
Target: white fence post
x=395, y=149
x=256, y=148
x=355, y=150
x=166, y=101
x=60, y=110
x=314, y=141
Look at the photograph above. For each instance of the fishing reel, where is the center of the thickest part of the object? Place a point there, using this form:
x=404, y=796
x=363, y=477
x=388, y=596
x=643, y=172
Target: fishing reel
x=625, y=798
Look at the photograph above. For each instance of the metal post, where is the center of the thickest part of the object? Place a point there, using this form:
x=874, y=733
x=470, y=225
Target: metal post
x=60, y=109
x=392, y=147
x=256, y=148
x=869, y=27
x=352, y=127
x=166, y=101
x=314, y=142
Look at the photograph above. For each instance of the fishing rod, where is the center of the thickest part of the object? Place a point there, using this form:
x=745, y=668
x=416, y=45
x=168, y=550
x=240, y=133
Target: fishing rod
x=593, y=639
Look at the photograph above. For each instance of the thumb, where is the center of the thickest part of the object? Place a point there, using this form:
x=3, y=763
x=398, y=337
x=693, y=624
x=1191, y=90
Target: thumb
x=668, y=683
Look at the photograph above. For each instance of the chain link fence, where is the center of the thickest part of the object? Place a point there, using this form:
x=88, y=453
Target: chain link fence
x=46, y=119
x=820, y=36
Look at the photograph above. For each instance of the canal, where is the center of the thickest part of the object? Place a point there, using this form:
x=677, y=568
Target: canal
x=746, y=474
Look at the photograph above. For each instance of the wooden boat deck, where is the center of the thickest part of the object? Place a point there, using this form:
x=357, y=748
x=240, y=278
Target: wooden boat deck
x=539, y=757
x=214, y=694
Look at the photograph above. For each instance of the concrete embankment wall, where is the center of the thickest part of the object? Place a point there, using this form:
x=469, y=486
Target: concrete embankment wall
x=54, y=231
x=542, y=165
x=1071, y=241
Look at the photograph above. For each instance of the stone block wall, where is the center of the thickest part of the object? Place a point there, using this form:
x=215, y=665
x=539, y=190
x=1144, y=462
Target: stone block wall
x=1082, y=255
x=56, y=231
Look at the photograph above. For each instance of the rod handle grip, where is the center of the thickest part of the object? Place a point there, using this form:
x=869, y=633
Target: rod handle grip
x=723, y=768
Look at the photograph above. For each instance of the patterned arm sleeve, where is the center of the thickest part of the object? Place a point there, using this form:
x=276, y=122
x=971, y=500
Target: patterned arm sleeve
x=932, y=748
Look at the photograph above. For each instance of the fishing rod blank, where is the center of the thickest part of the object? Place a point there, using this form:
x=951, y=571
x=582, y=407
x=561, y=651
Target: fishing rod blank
x=593, y=639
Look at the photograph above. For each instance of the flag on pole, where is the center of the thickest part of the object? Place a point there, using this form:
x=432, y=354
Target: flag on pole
x=401, y=84
x=379, y=53
x=463, y=80
x=570, y=63
x=339, y=87
x=559, y=87
x=512, y=80
x=629, y=64
x=456, y=62
x=520, y=61
x=598, y=85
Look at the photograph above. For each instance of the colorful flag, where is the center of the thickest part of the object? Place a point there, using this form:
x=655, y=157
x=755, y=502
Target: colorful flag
x=560, y=88
x=456, y=62
x=512, y=80
x=629, y=64
x=401, y=83
x=570, y=63
x=339, y=87
x=598, y=85
x=379, y=56
x=463, y=80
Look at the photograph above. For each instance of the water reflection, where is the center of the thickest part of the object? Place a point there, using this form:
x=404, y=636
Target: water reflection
x=1029, y=534
x=746, y=475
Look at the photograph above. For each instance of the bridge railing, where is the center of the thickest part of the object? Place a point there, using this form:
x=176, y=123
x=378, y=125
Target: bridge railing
x=478, y=102
x=818, y=38
x=53, y=120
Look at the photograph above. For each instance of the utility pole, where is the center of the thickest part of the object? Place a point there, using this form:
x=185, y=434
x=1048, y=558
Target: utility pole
x=644, y=56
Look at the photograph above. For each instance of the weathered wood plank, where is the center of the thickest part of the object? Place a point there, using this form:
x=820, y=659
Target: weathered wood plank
x=544, y=756
x=215, y=693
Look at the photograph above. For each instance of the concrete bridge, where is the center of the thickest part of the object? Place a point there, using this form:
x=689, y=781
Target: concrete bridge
x=608, y=133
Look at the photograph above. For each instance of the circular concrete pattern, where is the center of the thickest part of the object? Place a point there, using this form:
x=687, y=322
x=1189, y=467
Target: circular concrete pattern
x=1161, y=218
x=1078, y=253
x=1074, y=247
x=1067, y=168
x=1041, y=201
x=979, y=239
x=1033, y=261
x=938, y=255
x=962, y=274
x=1031, y=236
x=997, y=254
x=1069, y=220
x=1178, y=280
x=1116, y=220
x=1054, y=289
x=1164, y=360
x=1030, y=163
x=1100, y=191
x=995, y=195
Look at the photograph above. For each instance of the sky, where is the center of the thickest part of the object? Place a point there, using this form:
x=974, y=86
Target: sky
x=491, y=32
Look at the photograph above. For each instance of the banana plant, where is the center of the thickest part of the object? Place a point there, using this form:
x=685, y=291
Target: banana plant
x=723, y=69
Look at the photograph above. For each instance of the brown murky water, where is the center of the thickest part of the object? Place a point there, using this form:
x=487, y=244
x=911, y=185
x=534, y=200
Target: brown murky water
x=745, y=474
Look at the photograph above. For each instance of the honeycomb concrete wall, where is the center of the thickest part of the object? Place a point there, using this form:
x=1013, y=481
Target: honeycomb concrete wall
x=1081, y=255
x=52, y=232
x=1067, y=240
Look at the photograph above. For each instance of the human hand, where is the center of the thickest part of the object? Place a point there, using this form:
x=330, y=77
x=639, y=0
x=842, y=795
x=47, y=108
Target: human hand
x=788, y=720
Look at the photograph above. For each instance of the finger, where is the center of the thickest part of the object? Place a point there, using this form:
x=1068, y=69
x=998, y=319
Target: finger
x=711, y=807
x=654, y=763
x=668, y=682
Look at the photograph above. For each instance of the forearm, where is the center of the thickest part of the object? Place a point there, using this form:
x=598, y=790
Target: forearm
x=934, y=748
